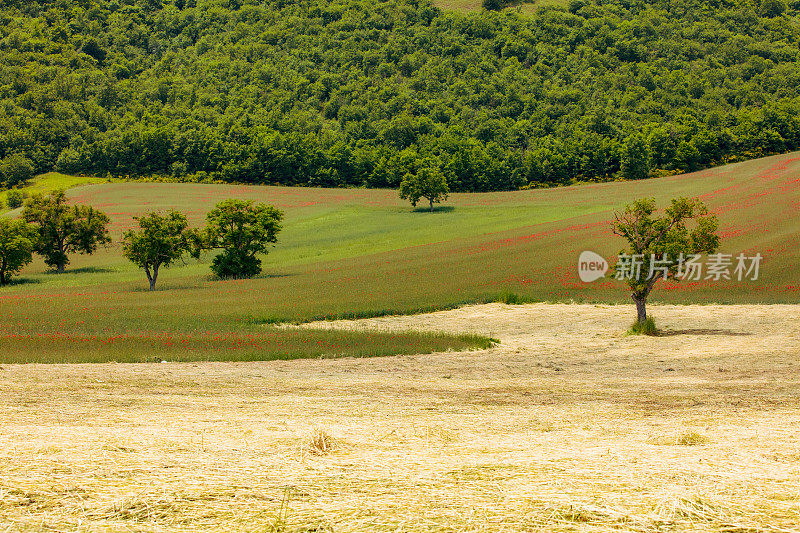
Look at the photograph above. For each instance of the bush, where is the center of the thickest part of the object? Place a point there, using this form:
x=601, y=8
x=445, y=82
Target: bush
x=510, y=298
x=16, y=169
x=493, y=5
x=648, y=327
x=231, y=264
x=15, y=199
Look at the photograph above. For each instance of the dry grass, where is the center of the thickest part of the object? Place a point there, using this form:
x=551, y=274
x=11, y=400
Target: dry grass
x=320, y=442
x=560, y=428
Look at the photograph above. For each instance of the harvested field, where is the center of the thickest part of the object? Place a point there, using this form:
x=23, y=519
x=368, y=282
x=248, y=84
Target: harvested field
x=568, y=425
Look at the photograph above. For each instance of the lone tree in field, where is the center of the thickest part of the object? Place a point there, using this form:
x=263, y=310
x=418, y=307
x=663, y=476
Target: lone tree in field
x=428, y=182
x=160, y=241
x=63, y=229
x=243, y=229
x=660, y=245
x=16, y=247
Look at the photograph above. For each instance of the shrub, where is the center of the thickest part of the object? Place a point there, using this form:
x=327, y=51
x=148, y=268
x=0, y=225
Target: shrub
x=510, y=298
x=15, y=199
x=235, y=264
x=648, y=327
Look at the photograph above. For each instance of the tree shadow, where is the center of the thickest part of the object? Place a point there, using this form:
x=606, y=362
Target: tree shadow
x=703, y=331
x=436, y=209
x=81, y=270
x=21, y=281
x=263, y=275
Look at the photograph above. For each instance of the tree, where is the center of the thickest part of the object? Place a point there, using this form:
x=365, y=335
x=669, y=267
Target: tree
x=428, y=182
x=658, y=245
x=160, y=242
x=63, y=229
x=243, y=229
x=15, y=169
x=16, y=247
x=15, y=199
x=772, y=8
x=635, y=158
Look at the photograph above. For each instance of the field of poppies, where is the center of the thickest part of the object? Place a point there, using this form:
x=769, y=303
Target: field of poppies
x=352, y=253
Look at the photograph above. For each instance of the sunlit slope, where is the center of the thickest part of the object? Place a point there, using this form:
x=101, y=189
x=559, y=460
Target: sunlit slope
x=364, y=251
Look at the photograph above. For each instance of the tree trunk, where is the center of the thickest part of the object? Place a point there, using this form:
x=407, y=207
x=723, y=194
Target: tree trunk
x=431, y=201
x=151, y=277
x=641, y=311
x=60, y=268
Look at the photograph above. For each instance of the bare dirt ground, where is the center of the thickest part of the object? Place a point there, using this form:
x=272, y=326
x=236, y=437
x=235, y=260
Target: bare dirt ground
x=568, y=425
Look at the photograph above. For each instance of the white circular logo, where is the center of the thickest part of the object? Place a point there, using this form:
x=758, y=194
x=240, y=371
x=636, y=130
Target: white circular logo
x=591, y=266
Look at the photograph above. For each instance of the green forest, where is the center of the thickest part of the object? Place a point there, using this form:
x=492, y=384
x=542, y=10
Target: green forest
x=351, y=93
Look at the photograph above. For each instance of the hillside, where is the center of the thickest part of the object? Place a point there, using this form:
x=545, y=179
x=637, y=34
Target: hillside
x=364, y=252
x=357, y=92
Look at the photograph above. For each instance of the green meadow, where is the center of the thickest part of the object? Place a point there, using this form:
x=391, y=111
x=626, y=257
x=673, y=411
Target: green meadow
x=355, y=252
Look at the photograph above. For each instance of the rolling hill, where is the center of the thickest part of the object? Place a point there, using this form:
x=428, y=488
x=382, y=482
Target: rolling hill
x=363, y=252
x=358, y=93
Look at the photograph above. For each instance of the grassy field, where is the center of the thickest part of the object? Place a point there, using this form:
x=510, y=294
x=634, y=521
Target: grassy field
x=49, y=182
x=349, y=253
x=566, y=426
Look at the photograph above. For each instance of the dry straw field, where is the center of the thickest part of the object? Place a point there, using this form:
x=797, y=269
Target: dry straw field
x=567, y=425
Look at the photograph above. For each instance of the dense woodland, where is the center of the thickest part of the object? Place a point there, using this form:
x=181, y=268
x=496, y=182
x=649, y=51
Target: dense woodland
x=362, y=92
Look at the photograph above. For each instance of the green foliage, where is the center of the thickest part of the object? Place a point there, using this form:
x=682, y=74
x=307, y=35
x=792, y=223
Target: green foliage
x=160, y=241
x=243, y=229
x=16, y=247
x=635, y=158
x=343, y=92
x=665, y=238
x=772, y=8
x=511, y=298
x=15, y=199
x=15, y=170
x=63, y=229
x=647, y=327
x=493, y=5
x=427, y=182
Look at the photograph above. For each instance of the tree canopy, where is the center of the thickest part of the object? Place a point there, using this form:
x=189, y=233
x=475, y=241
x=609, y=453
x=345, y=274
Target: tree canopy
x=356, y=92
x=243, y=230
x=427, y=182
x=160, y=241
x=660, y=246
x=63, y=229
x=16, y=247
